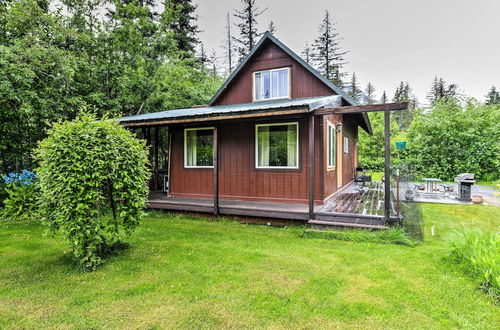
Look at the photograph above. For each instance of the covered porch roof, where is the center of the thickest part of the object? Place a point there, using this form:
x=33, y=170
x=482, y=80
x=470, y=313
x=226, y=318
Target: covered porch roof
x=233, y=110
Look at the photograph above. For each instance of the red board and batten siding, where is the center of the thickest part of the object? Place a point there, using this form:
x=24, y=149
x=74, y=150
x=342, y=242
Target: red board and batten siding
x=238, y=177
x=303, y=83
x=350, y=130
x=330, y=175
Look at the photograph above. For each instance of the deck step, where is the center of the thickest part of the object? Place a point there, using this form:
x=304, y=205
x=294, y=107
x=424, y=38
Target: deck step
x=345, y=225
x=348, y=218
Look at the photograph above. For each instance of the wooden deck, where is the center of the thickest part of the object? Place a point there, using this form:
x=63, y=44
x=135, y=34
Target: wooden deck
x=354, y=206
x=356, y=199
x=159, y=200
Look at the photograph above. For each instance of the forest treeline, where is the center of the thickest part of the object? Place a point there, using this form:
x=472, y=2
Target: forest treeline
x=118, y=58
x=112, y=57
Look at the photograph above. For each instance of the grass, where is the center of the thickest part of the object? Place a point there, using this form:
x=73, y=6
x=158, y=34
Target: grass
x=192, y=273
x=392, y=236
x=479, y=255
x=376, y=176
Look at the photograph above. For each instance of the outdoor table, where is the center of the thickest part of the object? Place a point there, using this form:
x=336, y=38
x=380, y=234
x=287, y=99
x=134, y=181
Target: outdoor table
x=431, y=183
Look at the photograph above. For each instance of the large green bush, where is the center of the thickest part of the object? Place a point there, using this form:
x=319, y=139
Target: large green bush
x=92, y=177
x=372, y=147
x=449, y=139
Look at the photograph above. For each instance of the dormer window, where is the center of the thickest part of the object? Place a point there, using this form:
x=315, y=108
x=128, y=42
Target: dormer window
x=271, y=84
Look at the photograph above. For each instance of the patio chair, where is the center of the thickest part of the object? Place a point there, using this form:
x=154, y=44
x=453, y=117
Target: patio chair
x=447, y=188
x=360, y=176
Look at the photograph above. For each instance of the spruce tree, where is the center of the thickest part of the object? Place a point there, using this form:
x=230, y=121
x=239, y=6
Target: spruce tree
x=493, y=96
x=307, y=53
x=202, y=56
x=441, y=90
x=228, y=45
x=327, y=55
x=247, y=25
x=370, y=93
x=404, y=93
x=183, y=25
x=354, y=91
x=384, y=98
x=212, y=63
x=272, y=28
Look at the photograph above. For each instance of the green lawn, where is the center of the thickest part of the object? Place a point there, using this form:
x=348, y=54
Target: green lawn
x=180, y=272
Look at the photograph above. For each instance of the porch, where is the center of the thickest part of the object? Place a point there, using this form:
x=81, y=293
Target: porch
x=353, y=206
x=350, y=207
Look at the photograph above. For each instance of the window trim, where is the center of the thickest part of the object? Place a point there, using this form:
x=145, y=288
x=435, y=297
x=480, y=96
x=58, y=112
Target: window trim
x=296, y=123
x=185, y=146
x=254, y=98
x=330, y=146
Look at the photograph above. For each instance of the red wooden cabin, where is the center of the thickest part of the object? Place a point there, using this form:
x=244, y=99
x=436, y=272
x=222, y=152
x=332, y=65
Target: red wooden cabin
x=274, y=141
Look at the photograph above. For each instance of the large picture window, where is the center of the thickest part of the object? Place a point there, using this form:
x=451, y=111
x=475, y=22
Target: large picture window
x=199, y=147
x=331, y=146
x=271, y=84
x=277, y=145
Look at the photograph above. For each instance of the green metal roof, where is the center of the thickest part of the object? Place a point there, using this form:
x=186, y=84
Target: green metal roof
x=310, y=104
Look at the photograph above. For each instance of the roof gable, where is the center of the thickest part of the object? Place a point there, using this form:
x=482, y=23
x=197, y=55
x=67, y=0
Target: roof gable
x=269, y=37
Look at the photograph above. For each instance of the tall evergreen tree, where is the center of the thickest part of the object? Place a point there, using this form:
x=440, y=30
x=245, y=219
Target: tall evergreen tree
x=228, y=45
x=384, y=98
x=328, y=56
x=202, y=56
x=441, y=90
x=184, y=27
x=247, y=26
x=272, y=28
x=353, y=90
x=212, y=61
x=404, y=93
x=370, y=93
x=493, y=96
x=307, y=53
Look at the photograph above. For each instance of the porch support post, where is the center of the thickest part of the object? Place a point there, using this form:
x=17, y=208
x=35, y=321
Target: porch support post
x=311, y=167
x=216, y=170
x=168, y=184
x=155, y=181
x=387, y=166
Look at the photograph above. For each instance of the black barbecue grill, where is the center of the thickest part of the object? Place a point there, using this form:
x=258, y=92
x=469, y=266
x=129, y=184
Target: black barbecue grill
x=465, y=182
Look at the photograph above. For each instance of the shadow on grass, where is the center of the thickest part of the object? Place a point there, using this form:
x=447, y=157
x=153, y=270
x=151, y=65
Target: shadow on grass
x=67, y=263
x=394, y=235
x=413, y=220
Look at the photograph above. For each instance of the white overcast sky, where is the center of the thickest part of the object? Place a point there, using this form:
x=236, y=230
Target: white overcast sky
x=388, y=40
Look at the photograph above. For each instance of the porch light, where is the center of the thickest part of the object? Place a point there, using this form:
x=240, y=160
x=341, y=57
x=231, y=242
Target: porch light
x=339, y=127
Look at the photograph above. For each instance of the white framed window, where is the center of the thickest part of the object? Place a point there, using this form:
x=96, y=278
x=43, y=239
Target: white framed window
x=346, y=145
x=199, y=147
x=277, y=145
x=331, y=136
x=271, y=84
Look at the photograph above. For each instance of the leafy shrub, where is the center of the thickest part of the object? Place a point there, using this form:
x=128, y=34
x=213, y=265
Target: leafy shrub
x=93, y=185
x=393, y=235
x=451, y=138
x=22, y=195
x=25, y=178
x=3, y=192
x=372, y=163
x=372, y=147
x=479, y=254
